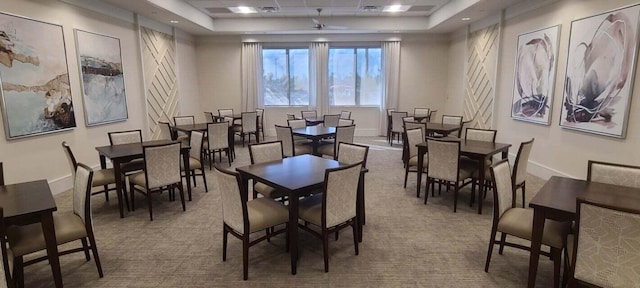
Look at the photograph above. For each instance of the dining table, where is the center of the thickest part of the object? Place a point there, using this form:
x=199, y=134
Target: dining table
x=298, y=176
x=32, y=202
x=123, y=153
x=556, y=200
x=315, y=134
x=314, y=121
x=202, y=127
x=476, y=150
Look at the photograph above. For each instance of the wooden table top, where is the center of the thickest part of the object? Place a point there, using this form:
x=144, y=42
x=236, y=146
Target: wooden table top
x=440, y=127
x=133, y=149
x=191, y=127
x=477, y=147
x=26, y=198
x=319, y=130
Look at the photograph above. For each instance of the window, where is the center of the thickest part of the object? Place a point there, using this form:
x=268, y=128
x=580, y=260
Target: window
x=355, y=76
x=285, y=76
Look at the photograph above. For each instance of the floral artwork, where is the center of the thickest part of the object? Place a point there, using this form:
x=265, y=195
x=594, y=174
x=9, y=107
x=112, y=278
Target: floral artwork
x=36, y=95
x=534, y=76
x=102, y=78
x=600, y=67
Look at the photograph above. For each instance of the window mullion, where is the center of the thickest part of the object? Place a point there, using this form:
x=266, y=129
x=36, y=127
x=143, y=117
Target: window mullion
x=355, y=73
x=288, y=77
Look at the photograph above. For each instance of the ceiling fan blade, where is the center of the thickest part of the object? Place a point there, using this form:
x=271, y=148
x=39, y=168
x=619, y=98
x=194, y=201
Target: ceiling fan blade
x=315, y=21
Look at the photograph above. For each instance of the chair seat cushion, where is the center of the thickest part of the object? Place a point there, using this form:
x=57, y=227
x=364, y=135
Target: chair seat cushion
x=466, y=170
x=193, y=164
x=326, y=149
x=519, y=222
x=28, y=239
x=413, y=161
x=310, y=209
x=138, y=179
x=301, y=149
x=103, y=177
x=264, y=213
x=131, y=166
x=268, y=191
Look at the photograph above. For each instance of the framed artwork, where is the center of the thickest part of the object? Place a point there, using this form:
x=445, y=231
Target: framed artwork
x=102, y=78
x=36, y=96
x=600, y=70
x=534, y=76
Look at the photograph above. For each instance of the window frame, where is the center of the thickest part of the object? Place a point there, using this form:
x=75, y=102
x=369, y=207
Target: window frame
x=287, y=48
x=355, y=48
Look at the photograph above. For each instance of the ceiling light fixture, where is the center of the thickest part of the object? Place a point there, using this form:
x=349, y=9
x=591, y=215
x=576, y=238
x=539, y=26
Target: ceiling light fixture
x=396, y=8
x=243, y=10
x=466, y=19
x=174, y=21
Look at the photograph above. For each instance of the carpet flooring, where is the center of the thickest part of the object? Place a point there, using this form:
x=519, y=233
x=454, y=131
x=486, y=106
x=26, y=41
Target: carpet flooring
x=405, y=243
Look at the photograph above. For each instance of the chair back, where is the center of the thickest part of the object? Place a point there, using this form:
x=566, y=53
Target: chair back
x=612, y=173
x=349, y=153
x=1, y=174
x=225, y=112
x=606, y=245
x=165, y=131
x=234, y=207
x=396, y=121
x=421, y=112
x=195, y=142
x=309, y=114
x=339, y=197
x=82, y=192
x=184, y=120
x=522, y=159
x=444, y=159
x=5, y=270
x=345, y=114
x=432, y=114
x=485, y=135
x=218, y=135
x=345, y=134
x=345, y=122
x=72, y=159
x=297, y=123
x=503, y=189
x=390, y=110
x=249, y=122
x=414, y=137
x=408, y=119
x=414, y=125
x=208, y=116
x=265, y=152
x=331, y=120
x=260, y=113
x=453, y=120
x=162, y=164
x=284, y=134
x=291, y=116
x=125, y=137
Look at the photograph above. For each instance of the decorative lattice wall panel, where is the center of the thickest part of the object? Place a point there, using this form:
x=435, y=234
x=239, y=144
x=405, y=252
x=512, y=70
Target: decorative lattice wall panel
x=482, y=50
x=158, y=59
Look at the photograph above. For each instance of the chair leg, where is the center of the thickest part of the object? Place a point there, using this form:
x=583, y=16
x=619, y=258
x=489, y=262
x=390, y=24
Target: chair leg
x=268, y=237
x=557, y=259
x=228, y=156
x=492, y=242
x=455, y=197
x=85, y=247
x=406, y=174
x=18, y=271
x=503, y=239
x=325, y=249
x=245, y=256
x=225, y=235
x=149, y=203
x=204, y=179
x=286, y=241
x=426, y=193
x=94, y=250
x=184, y=208
x=523, y=185
x=133, y=192
x=354, y=226
x=106, y=192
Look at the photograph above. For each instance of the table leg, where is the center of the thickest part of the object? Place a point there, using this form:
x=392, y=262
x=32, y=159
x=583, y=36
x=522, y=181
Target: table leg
x=52, y=247
x=293, y=231
x=421, y=153
x=360, y=205
x=315, y=143
x=536, y=241
x=103, y=162
x=187, y=172
x=119, y=188
x=480, y=184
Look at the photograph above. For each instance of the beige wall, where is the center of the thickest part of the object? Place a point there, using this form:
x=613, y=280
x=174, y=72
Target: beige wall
x=188, y=89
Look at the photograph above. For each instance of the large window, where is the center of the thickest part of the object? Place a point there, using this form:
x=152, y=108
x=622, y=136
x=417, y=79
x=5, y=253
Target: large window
x=355, y=76
x=285, y=76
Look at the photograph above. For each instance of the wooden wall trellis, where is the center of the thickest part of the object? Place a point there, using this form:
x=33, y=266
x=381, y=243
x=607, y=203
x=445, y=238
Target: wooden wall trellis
x=482, y=50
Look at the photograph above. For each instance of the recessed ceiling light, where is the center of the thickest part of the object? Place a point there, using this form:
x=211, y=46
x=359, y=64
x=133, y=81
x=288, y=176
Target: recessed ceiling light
x=466, y=19
x=396, y=8
x=174, y=21
x=243, y=10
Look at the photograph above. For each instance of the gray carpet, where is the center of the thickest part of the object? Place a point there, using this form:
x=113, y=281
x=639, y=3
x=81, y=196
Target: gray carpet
x=405, y=243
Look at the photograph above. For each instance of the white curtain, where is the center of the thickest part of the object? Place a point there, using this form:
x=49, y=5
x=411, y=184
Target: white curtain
x=251, y=76
x=319, y=77
x=391, y=70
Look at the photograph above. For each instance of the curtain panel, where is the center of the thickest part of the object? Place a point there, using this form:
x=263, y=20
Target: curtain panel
x=252, y=76
x=319, y=77
x=391, y=70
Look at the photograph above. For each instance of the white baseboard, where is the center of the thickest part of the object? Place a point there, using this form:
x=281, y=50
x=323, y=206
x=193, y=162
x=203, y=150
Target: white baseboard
x=539, y=170
x=359, y=132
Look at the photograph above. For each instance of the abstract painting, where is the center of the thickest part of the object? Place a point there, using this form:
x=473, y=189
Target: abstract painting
x=534, y=76
x=36, y=96
x=600, y=68
x=103, y=94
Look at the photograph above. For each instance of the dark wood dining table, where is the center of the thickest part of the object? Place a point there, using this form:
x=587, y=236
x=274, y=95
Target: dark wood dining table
x=202, y=127
x=126, y=152
x=441, y=128
x=298, y=176
x=315, y=134
x=32, y=202
x=313, y=121
x=476, y=150
x=556, y=200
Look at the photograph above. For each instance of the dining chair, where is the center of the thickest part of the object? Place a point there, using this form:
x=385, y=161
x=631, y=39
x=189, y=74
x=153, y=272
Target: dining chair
x=218, y=141
x=6, y=255
x=261, y=153
x=453, y=120
x=128, y=137
x=408, y=119
x=260, y=113
x=289, y=147
x=444, y=164
x=519, y=175
x=603, y=251
x=413, y=137
x=248, y=126
x=476, y=134
x=343, y=134
x=345, y=122
x=241, y=217
x=396, y=122
x=208, y=116
x=345, y=114
x=225, y=112
x=165, y=131
x=291, y=116
x=331, y=120
x=1, y=174
x=511, y=220
x=613, y=173
x=183, y=120
x=195, y=159
x=335, y=208
x=350, y=153
x=309, y=114
x=161, y=172
x=405, y=146
x=102, y=177
x=297, y=123
x=69, y=226
x=422, y=112
x=389, y=123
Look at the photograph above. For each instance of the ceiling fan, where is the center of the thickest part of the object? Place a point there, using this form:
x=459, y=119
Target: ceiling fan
x=321, y=26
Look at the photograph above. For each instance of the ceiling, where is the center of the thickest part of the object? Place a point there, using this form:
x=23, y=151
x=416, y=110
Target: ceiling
x=211, y=17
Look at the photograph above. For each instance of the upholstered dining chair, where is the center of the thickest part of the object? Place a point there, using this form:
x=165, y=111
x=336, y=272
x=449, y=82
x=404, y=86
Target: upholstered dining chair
x=349, y=153
x=309, y=114
x=165, y=131
x=208, y=116
x=195, y=159
x=242, y=217
x=396, y=125
x=289, y=147
x=413, y=137
x=603, y=251
x=485, y=135
x=102, y=177
x=218, y=141
x=6, y=255
x=261, y=153
x=291, y=116
x=444, y=164
x=343, y=134
x=161, y=172
x=389, y=123
x=260, y=113
x=225, y=112
x=184, y=120
x=453, y=120
x=331, y=120
x=345, y=114
x=127, y=137
x=335, y=208
x=518, y=222
x=405, y=146
x=613, y=173
x=519, y=175
x=295, y=124
x=345, y=122
x=69, y=226
x=422, y=112
x=248, y=126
